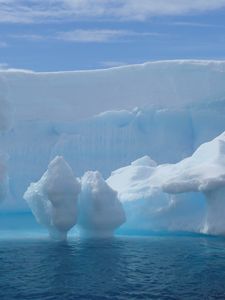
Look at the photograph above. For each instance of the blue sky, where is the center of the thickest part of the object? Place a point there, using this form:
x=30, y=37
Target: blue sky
x=52, y=35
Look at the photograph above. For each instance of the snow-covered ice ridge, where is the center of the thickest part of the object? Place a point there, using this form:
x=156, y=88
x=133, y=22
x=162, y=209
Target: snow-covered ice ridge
x=89, y=117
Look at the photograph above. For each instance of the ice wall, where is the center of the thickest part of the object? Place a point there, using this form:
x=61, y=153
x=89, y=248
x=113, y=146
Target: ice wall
x=55, y=114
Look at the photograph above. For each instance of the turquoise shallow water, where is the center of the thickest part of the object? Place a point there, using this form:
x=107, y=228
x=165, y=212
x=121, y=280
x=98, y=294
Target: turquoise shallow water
x=166, y=267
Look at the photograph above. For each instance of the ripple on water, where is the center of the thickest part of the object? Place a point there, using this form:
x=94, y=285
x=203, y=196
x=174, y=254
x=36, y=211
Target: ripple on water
x=119, y=268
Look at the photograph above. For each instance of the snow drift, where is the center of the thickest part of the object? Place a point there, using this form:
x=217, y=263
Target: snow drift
x=100, y=211
x=53, y=199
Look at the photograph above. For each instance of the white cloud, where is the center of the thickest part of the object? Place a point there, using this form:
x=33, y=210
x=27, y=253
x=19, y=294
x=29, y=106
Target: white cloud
x=24, y=11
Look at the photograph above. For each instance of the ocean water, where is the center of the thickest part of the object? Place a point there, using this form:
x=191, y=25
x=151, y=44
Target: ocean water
x=153, y=267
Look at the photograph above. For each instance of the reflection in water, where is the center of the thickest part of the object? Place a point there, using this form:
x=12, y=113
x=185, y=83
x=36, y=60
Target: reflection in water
x=117, y=268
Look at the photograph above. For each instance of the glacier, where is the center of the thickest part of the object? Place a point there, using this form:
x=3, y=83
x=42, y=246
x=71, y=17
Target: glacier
x=106, y=119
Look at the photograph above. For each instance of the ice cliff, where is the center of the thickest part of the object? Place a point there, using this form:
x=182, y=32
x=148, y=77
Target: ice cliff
x=105, y=119
x=63, y=114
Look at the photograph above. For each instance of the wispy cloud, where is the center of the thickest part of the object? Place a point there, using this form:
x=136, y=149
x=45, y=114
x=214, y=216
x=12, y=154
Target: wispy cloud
x=81, y=35
x=195, y=24
x=24, y=11
x=100, y=35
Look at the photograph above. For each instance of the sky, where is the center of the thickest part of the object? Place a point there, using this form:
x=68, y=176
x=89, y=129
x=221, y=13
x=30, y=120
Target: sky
x=56, y=35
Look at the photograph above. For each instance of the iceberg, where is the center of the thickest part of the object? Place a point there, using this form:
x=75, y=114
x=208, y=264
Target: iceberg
x=59, y=201
x=53, y=199
x=100, y=211
x=105, y=119
x=92, y=120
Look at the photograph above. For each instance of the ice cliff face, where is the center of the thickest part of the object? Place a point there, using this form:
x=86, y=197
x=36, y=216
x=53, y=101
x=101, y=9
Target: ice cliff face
x=63, y=114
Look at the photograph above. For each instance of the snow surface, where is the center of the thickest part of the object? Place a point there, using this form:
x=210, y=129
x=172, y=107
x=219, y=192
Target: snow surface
x=100, y=211
x=53, y=199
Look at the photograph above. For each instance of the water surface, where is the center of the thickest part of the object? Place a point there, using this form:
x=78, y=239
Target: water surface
x=157, y=267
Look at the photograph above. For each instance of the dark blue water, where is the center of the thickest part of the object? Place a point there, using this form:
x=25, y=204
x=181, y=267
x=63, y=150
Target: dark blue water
x=166, y=267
